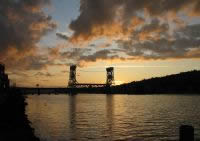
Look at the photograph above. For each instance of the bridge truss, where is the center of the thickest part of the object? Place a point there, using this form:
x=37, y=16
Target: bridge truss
x=73, y=83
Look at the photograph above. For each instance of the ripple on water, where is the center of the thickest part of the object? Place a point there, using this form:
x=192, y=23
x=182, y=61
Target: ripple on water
x=113, y=117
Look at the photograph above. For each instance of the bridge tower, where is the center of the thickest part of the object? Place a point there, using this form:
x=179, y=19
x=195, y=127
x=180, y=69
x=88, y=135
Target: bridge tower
x=110, y=76
x=72, y=76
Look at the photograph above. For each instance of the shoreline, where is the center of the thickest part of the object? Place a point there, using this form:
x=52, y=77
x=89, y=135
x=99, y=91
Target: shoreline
x=14, y=123
x=112, y=90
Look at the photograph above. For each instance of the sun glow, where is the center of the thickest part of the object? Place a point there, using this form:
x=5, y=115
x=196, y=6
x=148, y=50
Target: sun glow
x=118, y=82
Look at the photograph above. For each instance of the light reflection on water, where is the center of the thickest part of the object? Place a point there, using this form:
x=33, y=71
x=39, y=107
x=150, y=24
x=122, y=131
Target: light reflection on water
x=112, y=117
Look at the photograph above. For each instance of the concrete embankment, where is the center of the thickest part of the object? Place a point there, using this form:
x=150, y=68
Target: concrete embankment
x=14, y=125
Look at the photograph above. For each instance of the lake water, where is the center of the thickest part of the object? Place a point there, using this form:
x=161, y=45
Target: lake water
x=99, y=117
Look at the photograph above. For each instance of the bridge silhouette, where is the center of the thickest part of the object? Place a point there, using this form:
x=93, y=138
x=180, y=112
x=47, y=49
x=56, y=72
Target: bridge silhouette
x=74, y=86
x=73, y=83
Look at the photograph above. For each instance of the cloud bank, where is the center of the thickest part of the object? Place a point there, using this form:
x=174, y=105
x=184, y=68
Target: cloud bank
x=112, y=17
x=145, y=29
x=22, y=24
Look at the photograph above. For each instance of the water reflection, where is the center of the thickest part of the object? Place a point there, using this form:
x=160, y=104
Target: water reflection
x=111, y=117
x=78, y=118
x=72, y=116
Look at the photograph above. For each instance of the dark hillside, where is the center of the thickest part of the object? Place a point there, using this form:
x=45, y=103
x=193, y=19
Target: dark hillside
x=185, y=82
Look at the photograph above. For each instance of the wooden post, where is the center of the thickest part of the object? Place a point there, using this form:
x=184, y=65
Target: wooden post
x=186, y=133
x=38, y=89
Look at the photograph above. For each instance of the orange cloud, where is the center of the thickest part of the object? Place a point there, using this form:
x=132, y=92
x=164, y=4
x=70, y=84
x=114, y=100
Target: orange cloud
x=22, y=24
x=115, y=18
x=110, y=30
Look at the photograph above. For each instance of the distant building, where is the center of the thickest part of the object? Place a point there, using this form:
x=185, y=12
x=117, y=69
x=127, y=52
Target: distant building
x=4, y=81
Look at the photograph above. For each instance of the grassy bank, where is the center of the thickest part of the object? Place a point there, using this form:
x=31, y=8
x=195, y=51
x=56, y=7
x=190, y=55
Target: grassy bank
x=14, y=124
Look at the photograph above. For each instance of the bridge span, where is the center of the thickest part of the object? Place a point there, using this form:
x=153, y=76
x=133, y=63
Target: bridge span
x=73, y=83
x=89, y=85
x=88, y=89
x=74, y=86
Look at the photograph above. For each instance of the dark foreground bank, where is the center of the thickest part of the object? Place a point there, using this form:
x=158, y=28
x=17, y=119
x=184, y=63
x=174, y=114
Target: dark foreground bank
x=14, y=125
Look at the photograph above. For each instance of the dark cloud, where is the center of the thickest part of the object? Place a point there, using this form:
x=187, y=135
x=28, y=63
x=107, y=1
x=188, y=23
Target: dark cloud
x=27, y=62
x=98, y=17
x=151, y=41
x=155, y=29
x=102, y=54
x=79, y=56
x=104, y=45
x=92, y=45
x=75, y=53
x=62, y=36
x=22, y=24
x=184, y=43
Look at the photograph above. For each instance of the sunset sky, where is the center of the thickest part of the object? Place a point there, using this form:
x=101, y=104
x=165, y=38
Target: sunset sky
x=40, y=39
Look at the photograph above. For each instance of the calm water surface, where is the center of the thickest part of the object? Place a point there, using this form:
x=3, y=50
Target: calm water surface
x=112, y=117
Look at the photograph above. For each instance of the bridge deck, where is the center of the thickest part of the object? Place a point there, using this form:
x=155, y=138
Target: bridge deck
x=78, y=89
x=88, y=85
